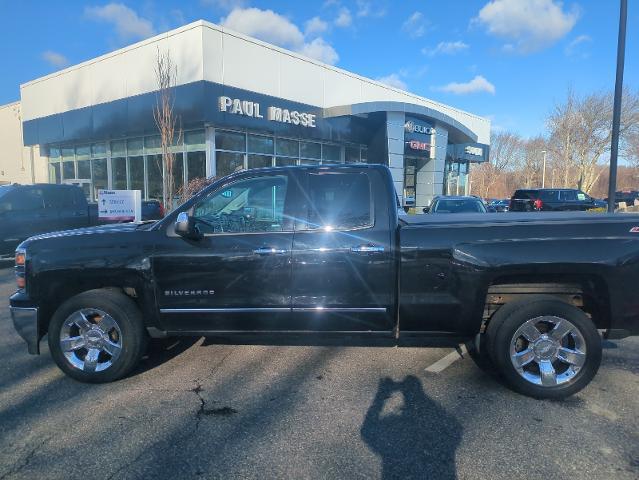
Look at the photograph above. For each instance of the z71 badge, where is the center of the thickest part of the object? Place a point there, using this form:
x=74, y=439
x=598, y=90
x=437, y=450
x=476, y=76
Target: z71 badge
x=188, y=293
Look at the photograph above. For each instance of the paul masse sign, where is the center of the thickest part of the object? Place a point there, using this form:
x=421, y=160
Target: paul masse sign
x=237, y=106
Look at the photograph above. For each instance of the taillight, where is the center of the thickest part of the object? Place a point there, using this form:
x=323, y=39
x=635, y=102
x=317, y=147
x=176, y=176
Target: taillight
x=162, y=210
x=538, y=204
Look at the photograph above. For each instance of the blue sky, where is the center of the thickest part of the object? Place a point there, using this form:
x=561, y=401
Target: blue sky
x=509, y=60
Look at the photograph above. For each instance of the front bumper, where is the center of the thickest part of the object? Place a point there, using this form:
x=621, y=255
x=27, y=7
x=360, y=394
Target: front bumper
x=25, y=321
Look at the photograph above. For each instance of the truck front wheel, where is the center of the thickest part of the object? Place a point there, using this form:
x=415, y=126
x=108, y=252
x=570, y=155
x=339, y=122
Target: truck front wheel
x=544, y=348
x=97, y=336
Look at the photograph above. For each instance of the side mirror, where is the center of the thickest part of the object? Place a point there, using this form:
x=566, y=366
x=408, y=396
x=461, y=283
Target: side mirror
x=426, y=209
x=185, y=226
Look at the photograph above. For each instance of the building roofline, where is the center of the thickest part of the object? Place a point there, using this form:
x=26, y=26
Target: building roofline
x=228, y=31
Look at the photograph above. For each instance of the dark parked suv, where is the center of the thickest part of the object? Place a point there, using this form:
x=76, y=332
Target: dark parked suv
x=552, y=199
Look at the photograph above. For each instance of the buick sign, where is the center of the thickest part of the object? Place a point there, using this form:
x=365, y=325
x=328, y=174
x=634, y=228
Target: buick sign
x=412, y=127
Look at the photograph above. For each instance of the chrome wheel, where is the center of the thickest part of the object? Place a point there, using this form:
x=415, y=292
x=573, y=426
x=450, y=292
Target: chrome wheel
x=548, y=351
x=91, y=340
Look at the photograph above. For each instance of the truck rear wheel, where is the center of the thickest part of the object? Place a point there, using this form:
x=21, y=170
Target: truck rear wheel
x=97, y=336
x=543, y=347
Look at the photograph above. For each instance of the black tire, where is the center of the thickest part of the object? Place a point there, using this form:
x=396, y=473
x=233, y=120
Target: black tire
x=127, y=316
x=505, y=324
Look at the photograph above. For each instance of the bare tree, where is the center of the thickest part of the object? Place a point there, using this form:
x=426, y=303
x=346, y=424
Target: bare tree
x=166, y=121
x=580, y=131
x=505, y=148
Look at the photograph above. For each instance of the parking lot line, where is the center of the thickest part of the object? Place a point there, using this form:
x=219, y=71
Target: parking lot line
x=443, y=363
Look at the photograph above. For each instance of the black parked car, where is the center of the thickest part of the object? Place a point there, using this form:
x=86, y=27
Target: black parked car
x=456, y=204
x=500, y=205
x=27, y=210
x=553, y=199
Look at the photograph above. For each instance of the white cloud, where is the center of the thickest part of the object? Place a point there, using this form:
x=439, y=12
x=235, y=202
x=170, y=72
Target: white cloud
x=446, y=48
x=315, y=26
x=344, y=18
x=365, y=9
x=476, y=85
x=128, y=25
x=393, y=80
x=274, y=28
x=576, y=46
x=265, y=25
x=415, y=25
x=528, y=25
x=320, y=50
x=55, y=59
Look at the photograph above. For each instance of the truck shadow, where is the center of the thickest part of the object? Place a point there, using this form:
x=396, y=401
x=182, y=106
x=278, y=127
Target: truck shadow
x=413, y=435
x=161, y=350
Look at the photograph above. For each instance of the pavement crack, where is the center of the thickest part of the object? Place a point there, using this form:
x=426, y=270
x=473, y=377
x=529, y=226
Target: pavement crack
x=25, y=462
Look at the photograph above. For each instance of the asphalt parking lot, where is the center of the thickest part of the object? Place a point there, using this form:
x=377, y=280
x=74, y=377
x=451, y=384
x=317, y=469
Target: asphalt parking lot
x=200, y=410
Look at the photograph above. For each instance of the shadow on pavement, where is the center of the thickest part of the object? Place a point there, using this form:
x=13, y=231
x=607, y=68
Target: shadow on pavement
x=161, y=350
x=413, y=435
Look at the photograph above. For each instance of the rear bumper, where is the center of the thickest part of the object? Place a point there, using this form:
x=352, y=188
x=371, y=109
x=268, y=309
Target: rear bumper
x=25, y=321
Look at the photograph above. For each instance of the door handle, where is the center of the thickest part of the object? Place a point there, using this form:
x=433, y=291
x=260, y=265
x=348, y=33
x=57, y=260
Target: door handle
x=269, y=251
x=367, y=249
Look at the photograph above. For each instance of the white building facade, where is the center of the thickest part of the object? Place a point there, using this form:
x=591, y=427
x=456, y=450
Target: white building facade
x=241, y=104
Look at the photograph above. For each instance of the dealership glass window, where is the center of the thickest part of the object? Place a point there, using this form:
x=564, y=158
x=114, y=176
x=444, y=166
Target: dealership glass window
x=84, y=169
x=331, y=153
x=134, y=146
x=195, y=141
x=54, y=165
x=152, y=144
x=310, y=150
x=68, y=163
x=228, y=162
x=287, y=148
x=259, y=161
x=364, y=155
x=98, y=150
x=233, y=141
x=82, y=153
x=118, y=173
x=118, y=149
x=285, y=161
x=100, y=180
x=260, y=144
x=352, y=155
x=136, y=174
x=154, y=176
x=178, y=172
x=196, y=165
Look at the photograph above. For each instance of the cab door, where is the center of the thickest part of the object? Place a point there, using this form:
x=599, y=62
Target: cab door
x=238, y=276
x=343, y=269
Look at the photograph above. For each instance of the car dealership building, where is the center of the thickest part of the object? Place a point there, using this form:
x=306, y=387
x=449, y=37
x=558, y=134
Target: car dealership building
x=241, y=104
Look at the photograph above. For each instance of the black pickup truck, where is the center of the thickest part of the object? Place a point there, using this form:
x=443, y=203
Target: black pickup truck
x=307, y=254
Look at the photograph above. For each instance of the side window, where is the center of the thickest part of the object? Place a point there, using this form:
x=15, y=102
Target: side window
x=339, y=201
x=59, y=198
x=246, y=206
x=569, y=195
x=549, y=195
x=24, y=200
x=582, y=197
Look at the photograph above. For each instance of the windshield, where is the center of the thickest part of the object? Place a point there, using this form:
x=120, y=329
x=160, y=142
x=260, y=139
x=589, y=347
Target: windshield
x=4, y=189
x=459, y=206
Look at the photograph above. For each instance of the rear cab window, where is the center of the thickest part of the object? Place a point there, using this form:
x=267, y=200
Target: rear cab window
x=21, y=199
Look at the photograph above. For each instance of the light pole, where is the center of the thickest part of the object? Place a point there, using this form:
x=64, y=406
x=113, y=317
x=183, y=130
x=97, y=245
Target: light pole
x=616, y=112
x=543, y=172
